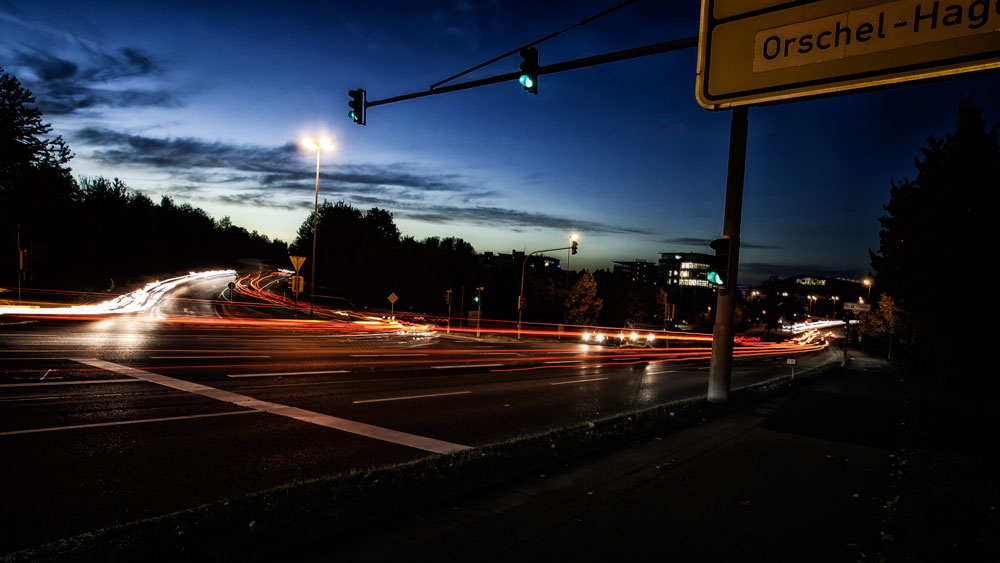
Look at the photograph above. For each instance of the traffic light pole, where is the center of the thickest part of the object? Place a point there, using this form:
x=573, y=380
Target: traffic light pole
x=655, y=49
x=720, y=371
x=520, y=300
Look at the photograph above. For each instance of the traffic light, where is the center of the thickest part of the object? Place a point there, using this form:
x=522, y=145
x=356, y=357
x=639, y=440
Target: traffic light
x=357, y=105
x=573, y=247
x=529, y=69
x=718, y=274
x=478, y=296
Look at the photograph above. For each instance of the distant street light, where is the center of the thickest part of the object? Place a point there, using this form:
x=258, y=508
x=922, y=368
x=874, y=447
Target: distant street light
x=572, y=239
x=868, y=282
x=520, y=299
x=319, y=147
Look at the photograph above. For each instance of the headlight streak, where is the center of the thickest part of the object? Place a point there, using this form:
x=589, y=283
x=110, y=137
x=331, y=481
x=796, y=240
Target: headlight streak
x=140, y=300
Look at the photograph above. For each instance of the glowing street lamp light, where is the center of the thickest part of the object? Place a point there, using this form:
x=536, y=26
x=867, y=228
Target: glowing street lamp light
x=868, y=283
x=572, y=239
x=318, y=146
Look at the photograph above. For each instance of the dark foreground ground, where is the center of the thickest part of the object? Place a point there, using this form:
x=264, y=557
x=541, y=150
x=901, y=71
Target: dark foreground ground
x=843, y=464
x=835, y=470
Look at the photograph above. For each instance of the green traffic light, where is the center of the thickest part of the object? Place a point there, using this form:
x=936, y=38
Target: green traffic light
x=713, y=277
x=352, y=115
x=526, y=81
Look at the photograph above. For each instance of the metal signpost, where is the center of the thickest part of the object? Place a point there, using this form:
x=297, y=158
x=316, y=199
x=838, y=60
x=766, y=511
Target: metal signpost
x=298, y=283
x=392, y=304
x=766, y=51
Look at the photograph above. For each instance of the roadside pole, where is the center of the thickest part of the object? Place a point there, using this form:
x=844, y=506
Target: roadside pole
x=720, y=371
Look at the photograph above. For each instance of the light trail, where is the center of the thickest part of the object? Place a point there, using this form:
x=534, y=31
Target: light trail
x=140, y=300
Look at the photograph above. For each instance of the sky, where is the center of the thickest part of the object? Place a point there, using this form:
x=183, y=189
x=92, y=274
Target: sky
x=207, y=101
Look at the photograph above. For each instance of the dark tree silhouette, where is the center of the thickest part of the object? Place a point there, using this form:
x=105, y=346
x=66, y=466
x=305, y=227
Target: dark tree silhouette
x=937, y=238
x=37, y=190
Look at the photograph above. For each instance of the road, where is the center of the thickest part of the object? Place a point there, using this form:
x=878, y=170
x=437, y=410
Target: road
x=113, y=418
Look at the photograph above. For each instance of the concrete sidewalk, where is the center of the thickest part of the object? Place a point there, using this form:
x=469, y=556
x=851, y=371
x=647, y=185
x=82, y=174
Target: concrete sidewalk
x=799, y=477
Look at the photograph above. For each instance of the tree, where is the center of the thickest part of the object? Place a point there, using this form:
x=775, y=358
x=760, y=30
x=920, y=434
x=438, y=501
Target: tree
x=583, y=305
x=937, y=239
x=37, y=190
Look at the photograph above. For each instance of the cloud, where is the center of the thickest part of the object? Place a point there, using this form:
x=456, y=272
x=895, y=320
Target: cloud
x=704, y=242
x=100, y=80
x=764, y=270
x=246, y=171
x=500, y=217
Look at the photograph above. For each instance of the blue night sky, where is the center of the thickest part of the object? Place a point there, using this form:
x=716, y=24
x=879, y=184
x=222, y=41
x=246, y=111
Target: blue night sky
x=206, y=101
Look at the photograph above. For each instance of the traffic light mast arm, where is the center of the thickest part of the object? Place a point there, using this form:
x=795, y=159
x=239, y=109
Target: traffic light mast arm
x=636, y=52
x=584, y=21
x=520, y=300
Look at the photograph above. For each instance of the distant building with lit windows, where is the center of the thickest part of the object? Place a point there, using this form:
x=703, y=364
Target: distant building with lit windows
x=638, y=270
x=685, y=269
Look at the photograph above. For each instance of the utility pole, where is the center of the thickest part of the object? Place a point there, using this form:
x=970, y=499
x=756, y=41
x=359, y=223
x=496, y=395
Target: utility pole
x=720, y=371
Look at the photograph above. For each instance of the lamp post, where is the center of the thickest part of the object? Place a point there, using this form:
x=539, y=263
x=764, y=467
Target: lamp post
x=319, y=147
x=868, y=282
x=568, y=253
x=520, y=299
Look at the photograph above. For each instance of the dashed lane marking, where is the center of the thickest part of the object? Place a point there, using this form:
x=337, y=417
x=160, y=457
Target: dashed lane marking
x=277, y=374
x=412, y=397
x=302, y=415
x=456, y=366
x=40, y=383
x=122, y=422
x=578, y=381
x=203, y=357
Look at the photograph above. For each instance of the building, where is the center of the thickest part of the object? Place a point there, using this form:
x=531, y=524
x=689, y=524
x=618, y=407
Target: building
x=638, y=270
x=515, y=259
x=685, y=270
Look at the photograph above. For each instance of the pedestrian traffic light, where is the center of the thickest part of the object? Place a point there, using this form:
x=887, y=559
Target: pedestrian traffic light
x=573, y=247
x=718, y=273
x=529, y=69
x=357, y=105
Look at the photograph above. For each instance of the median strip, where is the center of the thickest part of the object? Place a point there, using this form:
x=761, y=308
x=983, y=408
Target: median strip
x=302, y=415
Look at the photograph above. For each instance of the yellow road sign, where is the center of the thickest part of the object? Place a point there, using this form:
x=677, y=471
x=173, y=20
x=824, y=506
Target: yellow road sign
x=298, y=283
x=754, y=51
x=297, y=262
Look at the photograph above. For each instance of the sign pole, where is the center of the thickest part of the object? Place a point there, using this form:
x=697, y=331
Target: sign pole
x=720, y=370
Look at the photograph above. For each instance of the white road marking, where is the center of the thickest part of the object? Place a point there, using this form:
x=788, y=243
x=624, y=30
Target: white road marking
x=467, y=366
x=203, y=357
x=84, y=382
x=385, y=355
x=579, y=381
x=287, y=373
x=350, y=426
x=411, y=397
x=122, y=422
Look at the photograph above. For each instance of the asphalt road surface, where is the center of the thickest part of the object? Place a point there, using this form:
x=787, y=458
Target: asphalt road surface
x=112, y=419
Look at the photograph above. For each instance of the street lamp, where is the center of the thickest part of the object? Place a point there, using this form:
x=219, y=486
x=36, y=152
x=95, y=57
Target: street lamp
x=868, y=283
x=572, y=239
x=319, y=147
